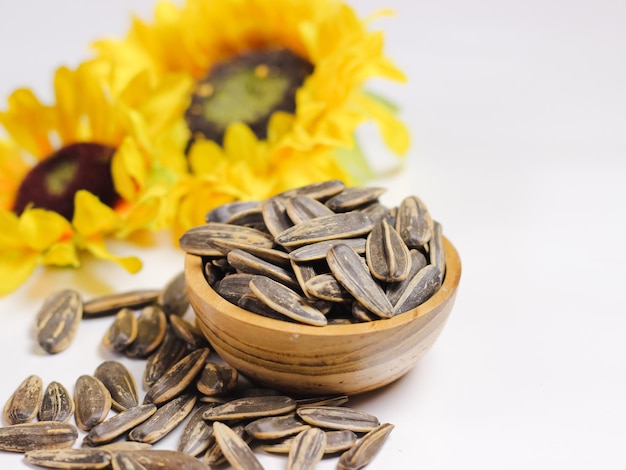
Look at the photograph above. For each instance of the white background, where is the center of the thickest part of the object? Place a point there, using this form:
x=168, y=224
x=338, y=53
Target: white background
x=517, y=112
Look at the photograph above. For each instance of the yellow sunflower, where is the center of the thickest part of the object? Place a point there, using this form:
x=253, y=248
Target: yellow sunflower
x=96, y=163
x=278, y=91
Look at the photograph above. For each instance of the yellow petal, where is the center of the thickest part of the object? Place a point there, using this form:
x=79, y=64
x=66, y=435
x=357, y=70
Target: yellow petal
x=41, y=228
x=129, y=169
x=12, y=171
x=132, y=264
x=61, y=254
x=15, y=267
x=10, y=236
x=91, y=216
x=395, y=134
x=202, y=156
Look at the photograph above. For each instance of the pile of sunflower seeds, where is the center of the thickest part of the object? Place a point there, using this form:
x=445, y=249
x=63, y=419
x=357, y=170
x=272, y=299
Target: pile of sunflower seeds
x=222, y=418
x=323, y=253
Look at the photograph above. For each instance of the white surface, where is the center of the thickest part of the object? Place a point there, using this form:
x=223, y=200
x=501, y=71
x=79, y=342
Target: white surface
x=517, y=111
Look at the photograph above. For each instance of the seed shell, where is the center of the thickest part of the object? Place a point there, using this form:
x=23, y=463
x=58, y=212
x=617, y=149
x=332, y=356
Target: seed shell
x=413, y=222
x=318, y=250
x=348, y=225
x=187, y=331
x=436, y=250
x=58, y=321
x=421, y=287
x=338, y=417
x=307, y=449
x=395, y=290
x=171, y=350
x=350, y=270
x=320, y=191
x=303, y=208
x=224, y=212
x=92, y=402
x=197, y=434
x=173, y=298
x=119, y=424
x=336, y=441
x=251, y=407
x=275, y=215
x=251, y=303
x=24, y=403
x=326, y=287
x=164, y=420
x=111, y=304
x=286, y=301
x=79, y=459
x=247, y=263
x=122, y=332
x=353, y=197
x=38, y=435
x=235, y=449
x=364, y=451
x=156, y=459
x=387, y=255
x=151, y=328
x=234, y=286
x=120, y=383
x=177, y=377
x=276, y=427
x=216, y=379
x=194, y=240
x=271, y=255
x=57, y=403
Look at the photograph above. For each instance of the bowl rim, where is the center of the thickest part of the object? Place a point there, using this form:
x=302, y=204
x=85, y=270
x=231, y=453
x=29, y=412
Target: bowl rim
x=197, y=283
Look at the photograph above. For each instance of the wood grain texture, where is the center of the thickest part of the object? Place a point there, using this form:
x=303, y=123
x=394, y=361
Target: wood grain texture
x=303, y=359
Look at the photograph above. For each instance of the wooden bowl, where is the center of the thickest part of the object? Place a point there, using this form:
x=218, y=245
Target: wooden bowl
x=333, y=359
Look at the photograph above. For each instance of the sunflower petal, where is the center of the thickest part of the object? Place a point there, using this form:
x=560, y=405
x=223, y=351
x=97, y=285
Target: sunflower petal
x=15, y=267
x=91, y=216
x=129, y=169
x=132, y=264
x=61, y=254
x=40, y=228
x=395, y=134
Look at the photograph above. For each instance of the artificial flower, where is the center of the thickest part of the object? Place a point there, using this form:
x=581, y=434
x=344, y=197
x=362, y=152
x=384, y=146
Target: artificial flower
x=95, y=164
x=278, y=92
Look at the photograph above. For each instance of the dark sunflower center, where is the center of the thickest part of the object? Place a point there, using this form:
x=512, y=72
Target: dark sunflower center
x=247, y=88
x=53, y=182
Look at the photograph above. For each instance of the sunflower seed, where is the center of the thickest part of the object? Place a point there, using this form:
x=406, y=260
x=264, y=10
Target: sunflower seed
x=186, y=331
x=58, y=321
x=377, y=211
x=92, y=402
x=421, y=287
x=177, y=377
x=164, y=420
x=351, y=198
x=336, y=441
x=348, y=225
x=173, y=298
x=286, y=301
x=275, y=215
x=56, y=404
x=120, y=446
x=151, y=328
x=120, y=383
x=395, y=289
x=360, y=313
x=304, y=272
x=194, y=240
x=351, y=271
x=234, y=286
x=318, y=250
x=155, y=459
x=271, y=255
x=122, y=332
x=325, y=286
x=251, y=303
x=119, y=424
x=436, y=251
x=196, y=436
x=307, y=449
x=214, y=455
x=38, y=435
x=216, y=379
x=387, y=256
x=413, y=222
x=338, y=417
x=249, y=264
x=303, y=208
x=276, y=427
x=319, y=191
x=251, y=407
x=70, y=458
x=249, y=218
x=334, y=400
x=171, y=350
x=111, y=304
x=235, y=449
x=226, y=211
x=24, y=403
x=365, y=449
